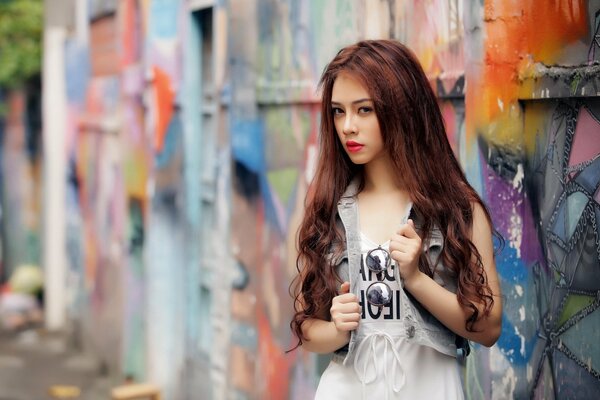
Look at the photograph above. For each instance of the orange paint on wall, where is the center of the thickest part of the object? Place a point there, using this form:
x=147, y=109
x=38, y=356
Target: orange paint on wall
x=539, y=29
x=163, y=97
x=550, y=26
x=545, y=25
x=274, y=362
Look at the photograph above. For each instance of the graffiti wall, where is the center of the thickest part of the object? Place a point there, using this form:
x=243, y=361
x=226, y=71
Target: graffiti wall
x=20, y=190
x=124, y=149
x=193, y=130
x=563, y=185
x=503, y=134
x=527, y=127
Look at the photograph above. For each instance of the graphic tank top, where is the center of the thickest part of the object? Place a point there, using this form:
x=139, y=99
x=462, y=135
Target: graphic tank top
x=386, y=365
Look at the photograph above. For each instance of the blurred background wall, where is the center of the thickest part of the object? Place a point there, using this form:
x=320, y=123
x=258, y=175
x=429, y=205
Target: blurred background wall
x=20, y=132
x=185, y=134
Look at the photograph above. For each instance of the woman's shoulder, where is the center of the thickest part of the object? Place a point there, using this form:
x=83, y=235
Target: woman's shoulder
x=482, y=223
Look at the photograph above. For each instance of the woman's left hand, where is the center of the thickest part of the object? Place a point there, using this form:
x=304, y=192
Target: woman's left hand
x=405, y=248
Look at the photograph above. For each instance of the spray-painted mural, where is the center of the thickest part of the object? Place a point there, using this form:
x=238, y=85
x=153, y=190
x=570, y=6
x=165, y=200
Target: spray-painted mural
x=526, y=124
x=488, y=136
x=127, y=155
x=191, y=149
x=565, y=180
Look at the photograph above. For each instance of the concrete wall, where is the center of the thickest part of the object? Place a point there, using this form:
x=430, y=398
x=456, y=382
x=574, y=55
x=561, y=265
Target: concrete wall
x=192, y=138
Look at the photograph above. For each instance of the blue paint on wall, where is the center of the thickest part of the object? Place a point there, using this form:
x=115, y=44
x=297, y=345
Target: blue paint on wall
x=163, y=19
x=77, y=71
x=171, y=139
x=248, y=144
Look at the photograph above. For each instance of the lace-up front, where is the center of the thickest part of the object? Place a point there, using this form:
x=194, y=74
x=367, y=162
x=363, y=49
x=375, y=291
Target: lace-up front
x=372, y=358
x=380, y=330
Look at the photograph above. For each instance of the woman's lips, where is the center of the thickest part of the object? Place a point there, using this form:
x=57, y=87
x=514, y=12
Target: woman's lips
x=353, y=146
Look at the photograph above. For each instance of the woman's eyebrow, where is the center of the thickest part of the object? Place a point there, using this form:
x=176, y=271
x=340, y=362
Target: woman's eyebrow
x=354, y=102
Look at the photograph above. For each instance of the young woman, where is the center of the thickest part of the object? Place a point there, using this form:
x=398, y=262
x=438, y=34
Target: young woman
x=395, y=249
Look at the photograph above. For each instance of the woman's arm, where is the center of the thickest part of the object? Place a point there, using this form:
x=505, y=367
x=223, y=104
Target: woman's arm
x=327, y=336
x=322, y=336
x=444, y=304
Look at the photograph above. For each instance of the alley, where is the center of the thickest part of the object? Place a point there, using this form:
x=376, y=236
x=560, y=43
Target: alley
x=32, y=361
x=157, y=158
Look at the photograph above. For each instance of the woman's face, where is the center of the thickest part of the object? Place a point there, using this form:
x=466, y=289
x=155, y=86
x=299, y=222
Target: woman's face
x=355, y=121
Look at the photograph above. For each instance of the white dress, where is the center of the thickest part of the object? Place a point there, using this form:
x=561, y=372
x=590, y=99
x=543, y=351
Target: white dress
x=386, y=366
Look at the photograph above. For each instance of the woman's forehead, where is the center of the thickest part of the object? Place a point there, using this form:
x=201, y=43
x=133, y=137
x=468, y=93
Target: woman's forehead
x=348, y=88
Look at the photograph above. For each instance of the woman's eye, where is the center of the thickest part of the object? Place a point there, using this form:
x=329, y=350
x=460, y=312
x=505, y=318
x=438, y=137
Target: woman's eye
x=364, y=110
x=337, y=111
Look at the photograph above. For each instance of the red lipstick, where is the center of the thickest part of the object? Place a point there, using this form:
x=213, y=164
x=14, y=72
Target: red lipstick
x=353, y=146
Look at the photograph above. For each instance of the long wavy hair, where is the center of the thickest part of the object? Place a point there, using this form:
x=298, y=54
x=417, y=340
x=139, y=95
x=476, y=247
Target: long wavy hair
x=414, y=134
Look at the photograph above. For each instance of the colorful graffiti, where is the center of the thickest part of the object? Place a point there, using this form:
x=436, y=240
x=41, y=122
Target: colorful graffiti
x=190, y=154
x=521, y=133
x=565, y=181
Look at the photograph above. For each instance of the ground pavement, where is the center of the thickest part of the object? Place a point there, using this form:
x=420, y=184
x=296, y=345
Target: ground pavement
x=32, y=360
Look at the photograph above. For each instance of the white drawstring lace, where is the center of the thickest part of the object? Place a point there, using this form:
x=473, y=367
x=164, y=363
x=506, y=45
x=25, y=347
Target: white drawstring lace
x=369, y=343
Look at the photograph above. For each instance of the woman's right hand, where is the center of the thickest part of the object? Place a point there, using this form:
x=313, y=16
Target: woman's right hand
x=345, y=310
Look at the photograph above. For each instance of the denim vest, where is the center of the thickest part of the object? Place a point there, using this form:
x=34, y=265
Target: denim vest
x=421, y=327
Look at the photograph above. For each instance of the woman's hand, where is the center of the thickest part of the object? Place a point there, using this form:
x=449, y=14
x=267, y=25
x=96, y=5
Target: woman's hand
x=405, y=249
x=345, y=310
x=324, y=336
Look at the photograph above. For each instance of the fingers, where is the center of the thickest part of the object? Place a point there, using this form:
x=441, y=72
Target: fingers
x=405, y=245
x=345, y=288
x=345, y=310
x=402, y=258
x=399, y=240
x=346, y=326
x=405, y=248
x=408, y=230
x=345, y=304
x=345, y=321
x=406, y=239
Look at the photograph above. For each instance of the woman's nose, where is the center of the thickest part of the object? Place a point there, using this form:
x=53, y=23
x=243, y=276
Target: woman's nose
x=349, y=125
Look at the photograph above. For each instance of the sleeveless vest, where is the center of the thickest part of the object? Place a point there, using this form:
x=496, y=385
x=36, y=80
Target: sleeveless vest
x=421, y=327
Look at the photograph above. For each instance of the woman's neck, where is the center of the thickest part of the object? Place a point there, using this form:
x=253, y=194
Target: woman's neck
x=383, y=202
x=380, y=177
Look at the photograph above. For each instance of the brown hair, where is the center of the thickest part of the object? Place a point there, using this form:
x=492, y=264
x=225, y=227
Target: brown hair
x=413, y=130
